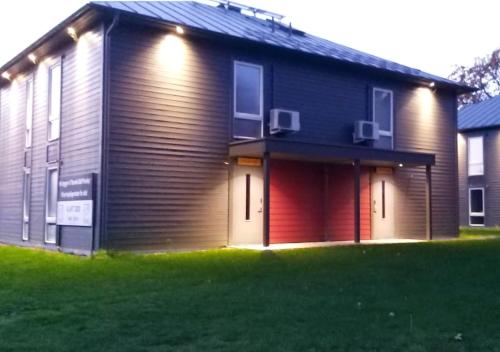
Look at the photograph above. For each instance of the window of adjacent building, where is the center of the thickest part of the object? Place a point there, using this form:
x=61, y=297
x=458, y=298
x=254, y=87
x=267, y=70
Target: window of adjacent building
x=475, y=156
x=382, y=110
x=476, y=206
x=248, y=100
x=26, y=204
x=51, y=205
x=29, y=113
x=54, y=123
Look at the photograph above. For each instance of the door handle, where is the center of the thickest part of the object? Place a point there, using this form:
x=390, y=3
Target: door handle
x=374, y=207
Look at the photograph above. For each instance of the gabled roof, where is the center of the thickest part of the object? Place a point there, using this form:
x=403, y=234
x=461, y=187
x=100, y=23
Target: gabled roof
x=480, y=115
x=229, y=22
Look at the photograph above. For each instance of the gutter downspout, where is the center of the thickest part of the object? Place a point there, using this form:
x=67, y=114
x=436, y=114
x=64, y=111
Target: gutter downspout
x=104, y=137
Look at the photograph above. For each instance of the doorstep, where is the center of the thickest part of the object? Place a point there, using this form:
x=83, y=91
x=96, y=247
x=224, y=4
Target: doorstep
x=283, y=246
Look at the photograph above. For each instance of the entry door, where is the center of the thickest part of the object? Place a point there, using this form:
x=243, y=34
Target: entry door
x=382, y=206
x=247, y=205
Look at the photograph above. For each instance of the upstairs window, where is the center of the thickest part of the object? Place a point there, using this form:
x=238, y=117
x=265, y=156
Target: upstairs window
x=248, y=100
x=28, y=135
x=382, y=110
x=475, y=156
x=52, y=184
x=54, y=123
x=476, y=206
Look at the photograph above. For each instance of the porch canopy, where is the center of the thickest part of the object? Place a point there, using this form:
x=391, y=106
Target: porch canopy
x=277, y=148
x=306, y=151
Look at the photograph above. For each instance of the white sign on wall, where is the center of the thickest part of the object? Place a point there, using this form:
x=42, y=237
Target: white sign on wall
x=75, y=213
x=75, y=206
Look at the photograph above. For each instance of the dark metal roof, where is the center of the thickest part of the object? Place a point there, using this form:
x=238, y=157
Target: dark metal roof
x=231, y=23
x=219, y=20
x=480, y=115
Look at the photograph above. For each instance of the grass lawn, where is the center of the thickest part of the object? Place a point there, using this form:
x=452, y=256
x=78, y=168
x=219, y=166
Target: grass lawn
x=475, y=232
x=440, y=296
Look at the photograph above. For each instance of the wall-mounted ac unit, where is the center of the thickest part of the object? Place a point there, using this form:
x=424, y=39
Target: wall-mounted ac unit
x=284, y=121
x=365, y=131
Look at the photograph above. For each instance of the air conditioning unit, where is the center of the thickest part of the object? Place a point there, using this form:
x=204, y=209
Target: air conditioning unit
x=284, y=121
x=365, y=131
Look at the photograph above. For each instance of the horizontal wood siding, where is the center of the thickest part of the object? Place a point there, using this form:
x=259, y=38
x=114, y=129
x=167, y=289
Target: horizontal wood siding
x=12, y=117
x=80, y=138
x=313, y=202
x=168, y=140
x=331, y=98
x=81, y=125
x=425, y=121
x=296, y=204
x=341, y=203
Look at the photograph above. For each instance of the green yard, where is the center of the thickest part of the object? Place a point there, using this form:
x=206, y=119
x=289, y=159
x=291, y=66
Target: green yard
x=440, y=296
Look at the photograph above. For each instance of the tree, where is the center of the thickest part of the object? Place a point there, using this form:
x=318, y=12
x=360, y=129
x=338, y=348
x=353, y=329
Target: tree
x=484, y=75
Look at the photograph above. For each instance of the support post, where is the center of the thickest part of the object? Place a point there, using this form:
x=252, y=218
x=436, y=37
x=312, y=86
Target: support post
x=357, y=201
x=266, y=201
x=428, y=202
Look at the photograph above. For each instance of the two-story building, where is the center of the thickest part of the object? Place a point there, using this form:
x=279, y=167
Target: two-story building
x=479, y=163
x=177, y=125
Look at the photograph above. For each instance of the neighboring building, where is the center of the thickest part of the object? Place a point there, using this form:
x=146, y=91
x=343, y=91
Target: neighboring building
x=145, y=126
x=479, y=163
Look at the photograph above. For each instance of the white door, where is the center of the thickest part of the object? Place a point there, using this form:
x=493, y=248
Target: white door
x=382, y=206
x=247, y=205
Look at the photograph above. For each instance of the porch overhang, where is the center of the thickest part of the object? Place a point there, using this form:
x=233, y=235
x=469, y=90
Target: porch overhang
x=329, y=153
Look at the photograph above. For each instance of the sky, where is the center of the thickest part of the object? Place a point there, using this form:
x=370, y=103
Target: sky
x=431, y=35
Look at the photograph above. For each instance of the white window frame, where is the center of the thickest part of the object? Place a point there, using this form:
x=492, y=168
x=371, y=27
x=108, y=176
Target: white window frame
x=469, y=173
x=384, y=132
x=29, y=111
x=50, y=220
x=26, y=204
x=471, y=214
x=246, y=116
x=50, y=118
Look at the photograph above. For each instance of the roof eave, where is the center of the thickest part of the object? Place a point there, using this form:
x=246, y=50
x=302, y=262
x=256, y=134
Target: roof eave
x=458, y=88
x=46, y=37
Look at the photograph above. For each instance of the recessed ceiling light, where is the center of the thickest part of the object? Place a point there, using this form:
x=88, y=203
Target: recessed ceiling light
x=179, y=30
x=72, y=33
x=32, y=58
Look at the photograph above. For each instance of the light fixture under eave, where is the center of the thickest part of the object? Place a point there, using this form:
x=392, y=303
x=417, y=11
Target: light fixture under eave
x=432, y=84
x=179, y=30
x=6, y=75
x=72, y=33
x=32, y=57
x=400, y=165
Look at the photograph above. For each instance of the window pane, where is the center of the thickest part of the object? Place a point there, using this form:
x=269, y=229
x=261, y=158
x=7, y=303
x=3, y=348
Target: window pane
x=55, y=102
x=475, y=156
x=54, y=129
x=247, y=128
x=26, y=196
x=248, y=89
x=52, y=194
x=50, y=235
x=384, y=142
x=476, y=201
x=29, y=112
x=477, y=220
x=382, y=106
x=26, y=230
